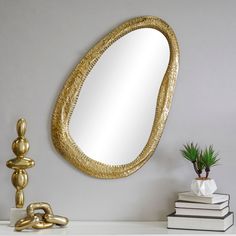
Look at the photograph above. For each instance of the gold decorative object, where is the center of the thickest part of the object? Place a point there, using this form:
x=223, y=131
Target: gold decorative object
x=37, y=220
x=20, y=163
x=68, y=97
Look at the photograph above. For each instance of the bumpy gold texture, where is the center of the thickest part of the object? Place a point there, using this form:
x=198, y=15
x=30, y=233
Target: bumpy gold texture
x=20, y=147
x=68, y=97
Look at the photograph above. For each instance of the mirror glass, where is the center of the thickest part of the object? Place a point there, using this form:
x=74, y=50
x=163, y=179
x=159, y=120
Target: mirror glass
x=114, y=114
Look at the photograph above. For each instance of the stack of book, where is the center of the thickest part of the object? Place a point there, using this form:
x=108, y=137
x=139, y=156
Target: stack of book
x=192, y=212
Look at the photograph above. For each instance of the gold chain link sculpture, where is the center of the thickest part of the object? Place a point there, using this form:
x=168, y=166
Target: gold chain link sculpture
x=36, y=220
x=20, y=163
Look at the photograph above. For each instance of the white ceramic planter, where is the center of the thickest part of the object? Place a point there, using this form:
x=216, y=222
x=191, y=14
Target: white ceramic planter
x=203, y=187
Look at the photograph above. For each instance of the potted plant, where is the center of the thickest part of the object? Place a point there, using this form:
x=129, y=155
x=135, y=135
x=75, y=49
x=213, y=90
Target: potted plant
x=202, y=161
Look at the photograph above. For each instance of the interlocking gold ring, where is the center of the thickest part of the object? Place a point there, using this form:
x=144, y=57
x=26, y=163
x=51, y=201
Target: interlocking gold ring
x=38, y=206
x=26, y=223
x=41, y=224
x=57, y=220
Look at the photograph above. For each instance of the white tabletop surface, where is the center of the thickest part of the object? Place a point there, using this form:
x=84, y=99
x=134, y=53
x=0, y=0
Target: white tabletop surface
x=107, y=228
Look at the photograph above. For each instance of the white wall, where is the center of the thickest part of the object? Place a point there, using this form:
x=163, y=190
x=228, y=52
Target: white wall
x=40, y=43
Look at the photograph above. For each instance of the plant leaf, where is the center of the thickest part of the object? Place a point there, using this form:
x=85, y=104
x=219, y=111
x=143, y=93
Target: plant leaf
x=190, y=152
x=209, y=157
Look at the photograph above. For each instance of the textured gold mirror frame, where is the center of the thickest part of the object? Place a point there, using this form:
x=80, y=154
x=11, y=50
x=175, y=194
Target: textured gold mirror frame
x=70, y=93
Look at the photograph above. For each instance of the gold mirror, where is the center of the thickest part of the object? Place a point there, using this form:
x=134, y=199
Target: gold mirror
x=112, y=110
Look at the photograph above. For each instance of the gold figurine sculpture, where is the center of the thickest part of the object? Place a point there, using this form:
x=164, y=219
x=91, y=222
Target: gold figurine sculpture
x=37, y=220
x=20, y=163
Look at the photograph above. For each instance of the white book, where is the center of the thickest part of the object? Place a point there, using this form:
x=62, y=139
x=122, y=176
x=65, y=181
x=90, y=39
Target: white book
x=212, y=199
x=196, y=205
x=201, y=222
x=201, y=212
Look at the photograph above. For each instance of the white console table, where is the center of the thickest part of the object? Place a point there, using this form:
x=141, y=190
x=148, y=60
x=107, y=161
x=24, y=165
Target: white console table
x=77, y=228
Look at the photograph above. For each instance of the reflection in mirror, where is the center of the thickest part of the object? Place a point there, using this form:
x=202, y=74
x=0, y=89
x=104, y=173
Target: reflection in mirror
x=114, y=114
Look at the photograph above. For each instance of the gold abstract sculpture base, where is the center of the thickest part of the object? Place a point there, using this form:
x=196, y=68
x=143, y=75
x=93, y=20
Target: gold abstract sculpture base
x=16, y=214
x=35, y=220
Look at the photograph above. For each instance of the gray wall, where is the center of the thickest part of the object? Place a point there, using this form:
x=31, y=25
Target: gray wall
x=41, y=41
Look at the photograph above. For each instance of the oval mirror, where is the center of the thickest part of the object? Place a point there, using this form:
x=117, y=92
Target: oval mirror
x=111, y=112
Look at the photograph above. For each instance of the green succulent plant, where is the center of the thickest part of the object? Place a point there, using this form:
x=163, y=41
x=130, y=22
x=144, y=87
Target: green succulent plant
x=201, y=159
x=190, y=152
x=209, y=159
